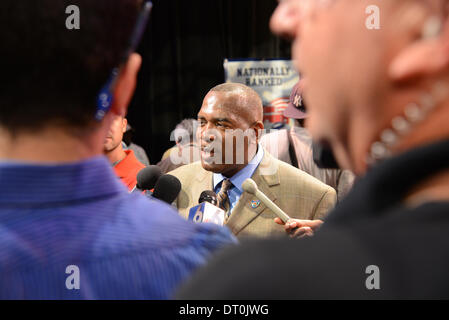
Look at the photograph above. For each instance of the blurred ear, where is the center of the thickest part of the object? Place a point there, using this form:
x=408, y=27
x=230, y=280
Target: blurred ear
x=124, y=124
x=258, y=127
x=126, y=84
x=423, y=57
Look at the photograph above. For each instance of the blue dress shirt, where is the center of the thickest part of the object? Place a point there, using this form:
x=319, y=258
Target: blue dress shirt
x=236, y=191
x=124, y=245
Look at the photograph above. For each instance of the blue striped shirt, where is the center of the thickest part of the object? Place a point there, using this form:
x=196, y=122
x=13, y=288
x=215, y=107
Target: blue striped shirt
x=125, y=246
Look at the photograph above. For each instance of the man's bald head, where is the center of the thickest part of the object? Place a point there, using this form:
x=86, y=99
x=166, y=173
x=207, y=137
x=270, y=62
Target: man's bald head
x=242, y=100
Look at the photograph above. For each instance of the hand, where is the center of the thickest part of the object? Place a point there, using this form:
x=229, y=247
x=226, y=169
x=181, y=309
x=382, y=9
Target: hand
x=296, y=228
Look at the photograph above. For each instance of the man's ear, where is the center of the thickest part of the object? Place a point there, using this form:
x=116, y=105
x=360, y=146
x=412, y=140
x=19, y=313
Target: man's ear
x=285, y=18
x=424, y=57
x=258, y=127
x=124, y=124
x=126, y=84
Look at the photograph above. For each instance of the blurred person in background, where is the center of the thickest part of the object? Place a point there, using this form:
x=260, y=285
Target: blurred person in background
x=379, y=96
x=167, y=152
x=295, y=146
x=139, y=152
x=69, y=228
x=124, y=162
x=186, y=150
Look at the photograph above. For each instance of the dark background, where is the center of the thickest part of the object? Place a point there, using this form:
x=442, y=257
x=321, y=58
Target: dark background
x=183, y=51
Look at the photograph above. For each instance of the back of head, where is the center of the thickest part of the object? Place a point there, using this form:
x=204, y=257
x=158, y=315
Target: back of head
x=53, y=73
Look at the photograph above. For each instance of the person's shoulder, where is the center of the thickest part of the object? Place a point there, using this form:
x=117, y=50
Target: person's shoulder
x=169, y=151
x=188, y=171
x=329, y=265
x=131, y=153
x=274, y=135
x=294, y=176
x=140, y=154
x=271, y=140
x=148, y=238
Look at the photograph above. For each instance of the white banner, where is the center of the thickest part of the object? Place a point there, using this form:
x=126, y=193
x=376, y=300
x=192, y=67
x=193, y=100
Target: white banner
x=273, y=80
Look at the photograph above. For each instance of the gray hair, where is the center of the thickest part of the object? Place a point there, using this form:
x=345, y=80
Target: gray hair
x=187, y=125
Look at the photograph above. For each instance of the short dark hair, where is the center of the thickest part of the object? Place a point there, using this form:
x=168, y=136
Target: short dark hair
x=51, y=73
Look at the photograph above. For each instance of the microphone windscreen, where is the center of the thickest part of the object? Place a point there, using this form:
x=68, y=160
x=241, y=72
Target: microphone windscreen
x=167, y=188
x=249, y=186
x=323, y=156
x=208, y=196
x=147, y=177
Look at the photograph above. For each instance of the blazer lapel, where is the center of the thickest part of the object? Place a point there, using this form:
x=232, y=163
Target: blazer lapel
x=205, y=179
x=203, y=174
x=191, y=192
x=244, y=213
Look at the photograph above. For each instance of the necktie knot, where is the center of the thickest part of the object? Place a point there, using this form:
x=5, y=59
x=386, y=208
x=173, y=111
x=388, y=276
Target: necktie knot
x=222, y=196
x=226, y=185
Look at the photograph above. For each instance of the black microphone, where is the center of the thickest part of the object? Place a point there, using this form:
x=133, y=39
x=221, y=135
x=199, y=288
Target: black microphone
x=167, y=188
x=323, y=156
x=207, y=209
x=147, y=177
x=208, y=196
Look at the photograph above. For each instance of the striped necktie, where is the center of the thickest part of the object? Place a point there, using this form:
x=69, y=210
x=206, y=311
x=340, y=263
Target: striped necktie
x=222, y=196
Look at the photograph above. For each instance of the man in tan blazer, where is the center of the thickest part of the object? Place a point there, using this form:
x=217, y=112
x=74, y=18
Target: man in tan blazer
x=230, y=108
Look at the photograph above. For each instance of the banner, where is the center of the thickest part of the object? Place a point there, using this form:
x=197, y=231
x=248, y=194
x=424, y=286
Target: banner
x=272, y=79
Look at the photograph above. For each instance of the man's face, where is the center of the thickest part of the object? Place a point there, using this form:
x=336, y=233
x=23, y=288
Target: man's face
x=115, y=134
x=339, y=58
x=221, y=132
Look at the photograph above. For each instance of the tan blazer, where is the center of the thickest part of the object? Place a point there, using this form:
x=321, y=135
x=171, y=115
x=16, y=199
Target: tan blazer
x=300, y=195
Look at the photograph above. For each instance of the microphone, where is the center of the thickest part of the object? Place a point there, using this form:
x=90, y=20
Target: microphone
x=147, y=178
x=323, y=156
x=207, y=210
x=167, y=188
x=208, y=196
x=251, y=187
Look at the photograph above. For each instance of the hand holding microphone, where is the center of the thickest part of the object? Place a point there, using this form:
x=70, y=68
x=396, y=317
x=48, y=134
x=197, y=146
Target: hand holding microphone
x=297, y=228
x=294, y=227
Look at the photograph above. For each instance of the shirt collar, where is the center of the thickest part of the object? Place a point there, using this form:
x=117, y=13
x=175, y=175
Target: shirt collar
x=245, y=173
x=24, y=184
x=127, y=164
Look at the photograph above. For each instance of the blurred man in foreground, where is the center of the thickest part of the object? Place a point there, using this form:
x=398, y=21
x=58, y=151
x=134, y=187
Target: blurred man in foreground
x=389, y=92
x=69, y=228
x=230, y=125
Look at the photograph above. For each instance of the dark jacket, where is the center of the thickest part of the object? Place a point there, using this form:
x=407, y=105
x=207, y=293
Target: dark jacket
x=371, y=227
